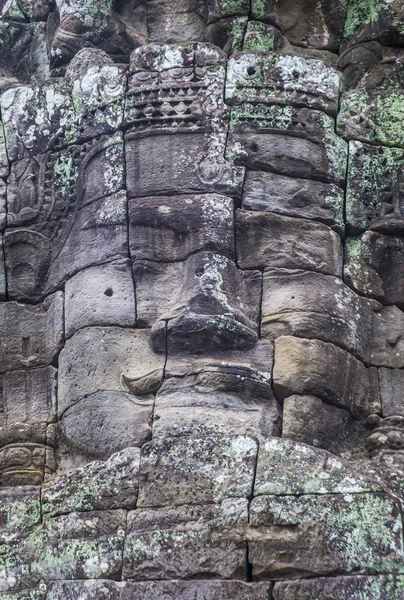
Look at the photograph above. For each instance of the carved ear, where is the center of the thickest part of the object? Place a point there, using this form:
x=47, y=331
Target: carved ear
x=144, y=384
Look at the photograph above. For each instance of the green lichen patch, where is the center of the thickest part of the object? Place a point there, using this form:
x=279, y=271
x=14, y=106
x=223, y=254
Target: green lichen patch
x=98, y=485
x=234, y=7
x=286, y=467
x=261, y=38
x=373, y=198
x=196, y=470
x=375, y=117
x=353, y=533
x=361, y=13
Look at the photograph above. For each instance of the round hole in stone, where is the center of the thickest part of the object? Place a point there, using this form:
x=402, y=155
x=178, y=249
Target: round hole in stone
x=109, y=292
x=250, y=70
x=254, y=147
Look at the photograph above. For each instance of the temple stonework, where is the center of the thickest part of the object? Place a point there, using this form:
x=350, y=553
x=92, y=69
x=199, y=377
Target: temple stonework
x=201, y=299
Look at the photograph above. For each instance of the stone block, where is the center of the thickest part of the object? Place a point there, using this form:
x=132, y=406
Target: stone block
x=207, y=302
x=355, y=587
x=387, y=342
x=170, y=228
x=309, y=24
x=95, y=359
x=374, y=188
x=90, y=589
x=311, y=305
x=294, y=197
x=30, y=396
x=85, y=545
x=282, y=79
x=286, y=242
x=358, y=533
x=196, y=590
x=296, y=142
x=3, y=196
x=20, y=513
x=191, y=470
x=310, y=420
x=316, y=368
x=31, y=336
x=391, y=383
x=374, y=266
x=289, y=468
x=382, y=22
x=41, y=257
x=178, y=162
x=261, y=37
x=26, y=454
x=372, y=116
x=187, y=542
x=95, y=486
x=54, y=185
x=100, y=295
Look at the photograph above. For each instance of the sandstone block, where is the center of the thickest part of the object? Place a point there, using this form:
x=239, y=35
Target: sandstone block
x=374, y=188
x=313, y=367
x=101, y=295
x=352, y=532
x=293, y=142
x=31, y=336
x=207, y=302
x=310, y=420
x=374, y=266
x=387, y=343
x=286, y=242
x=378, y=587
x=96, y=358
x=198, y=590
x=281, y=78
x=391, y=391
x=95, y=486
x=286, y=467
x=178, y=163
x=294, y=197
x=311, y=305
x=20, y=512
x=187, y=542
x=170, y=228
x=85, y=545
x=191, y=470
x=30, y=396
x=41, y=257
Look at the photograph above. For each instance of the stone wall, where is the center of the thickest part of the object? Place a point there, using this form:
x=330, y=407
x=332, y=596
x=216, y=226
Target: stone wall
x=201, y=299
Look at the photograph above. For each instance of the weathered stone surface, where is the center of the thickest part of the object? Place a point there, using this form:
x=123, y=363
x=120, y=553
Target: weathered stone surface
x=294, y=198
x=311, y=305
x=358, y=533
x=387, y=343
x=313, y=367
x=101, y=295
x=380, y=21
x=96, y=358
x=312, y=421
x=382, y=587
x=374, y=266
x=374, y=190
x=40, y=258
x=29, y=396
x=31, y=336
x=95, y=486
x=170, y=228
x=218, y=394
x=207, y=302
x=39, y=594
x=193, y=470
x=391, y=383
x=150, y=590
x=286, y=467
x=190, y=165
x=286, y=242
x=75, y=546
x=106, y=422
x=20, y=511
x=187, y=542
x=260, y=37
x=372, y=117
x=295, y=142
x=283, y=79
x=309, y=24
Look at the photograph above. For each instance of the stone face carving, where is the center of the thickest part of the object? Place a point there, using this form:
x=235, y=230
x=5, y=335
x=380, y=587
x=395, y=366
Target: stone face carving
x=200, y=300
